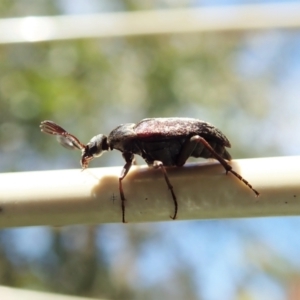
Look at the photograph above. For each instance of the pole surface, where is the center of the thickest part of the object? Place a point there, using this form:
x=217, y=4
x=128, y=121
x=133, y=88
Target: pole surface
x=203, y=191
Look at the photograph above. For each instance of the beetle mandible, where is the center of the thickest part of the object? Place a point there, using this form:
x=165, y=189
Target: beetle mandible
x=162, y=142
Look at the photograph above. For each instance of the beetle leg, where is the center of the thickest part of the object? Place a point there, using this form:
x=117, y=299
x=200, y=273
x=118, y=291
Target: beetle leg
x=186, y=151
x=159, y=164
x=128, y=158
x=222, y=161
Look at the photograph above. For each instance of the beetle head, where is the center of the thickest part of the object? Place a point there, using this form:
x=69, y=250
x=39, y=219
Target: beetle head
x=95, y=147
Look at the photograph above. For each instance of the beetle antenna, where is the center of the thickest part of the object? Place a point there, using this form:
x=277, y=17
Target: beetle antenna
x=65, y=138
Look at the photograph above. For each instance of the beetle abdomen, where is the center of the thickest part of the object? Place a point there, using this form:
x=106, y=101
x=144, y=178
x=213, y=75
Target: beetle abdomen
x=168, y=151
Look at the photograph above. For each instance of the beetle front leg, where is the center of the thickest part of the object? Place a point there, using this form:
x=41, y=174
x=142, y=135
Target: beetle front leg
x=128, y=158
x=222, y=161
x=159, y=164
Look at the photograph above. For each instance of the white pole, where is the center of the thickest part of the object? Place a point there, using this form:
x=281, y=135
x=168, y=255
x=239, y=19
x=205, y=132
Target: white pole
x=206, y=19
x=9, y=293
x=203, y=191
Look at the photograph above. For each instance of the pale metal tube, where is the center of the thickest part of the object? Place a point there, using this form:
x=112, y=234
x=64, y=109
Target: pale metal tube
x=203, y=191
x=204, y=19
x=9, y=293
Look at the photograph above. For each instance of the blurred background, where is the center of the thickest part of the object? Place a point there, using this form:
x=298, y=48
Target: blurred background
x=245, y=82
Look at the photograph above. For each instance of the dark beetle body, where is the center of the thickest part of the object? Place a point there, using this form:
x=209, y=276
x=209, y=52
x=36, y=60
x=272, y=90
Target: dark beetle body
x=163, y=138
x=162, y=142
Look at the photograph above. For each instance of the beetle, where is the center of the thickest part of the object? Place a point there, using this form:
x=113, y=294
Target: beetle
x=161, y=142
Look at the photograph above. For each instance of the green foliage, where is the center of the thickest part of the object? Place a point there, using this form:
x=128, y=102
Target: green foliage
x=101, y=83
